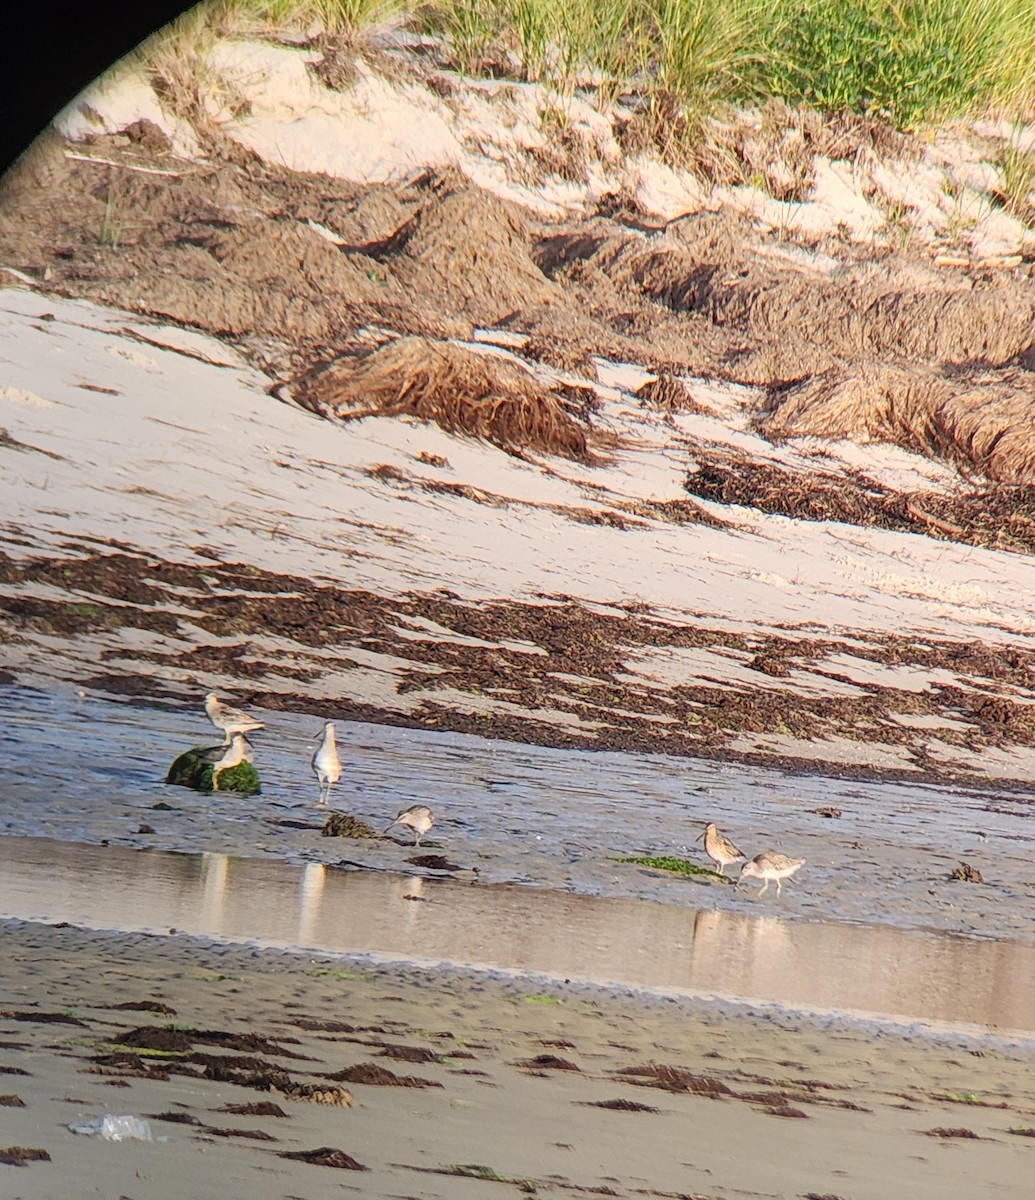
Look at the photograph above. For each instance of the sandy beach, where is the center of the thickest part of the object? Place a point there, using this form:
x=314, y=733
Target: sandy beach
x=594, y=499
x=444, y=1084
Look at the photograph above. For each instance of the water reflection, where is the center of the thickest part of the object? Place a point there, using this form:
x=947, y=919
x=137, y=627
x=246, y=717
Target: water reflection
x=828, y=966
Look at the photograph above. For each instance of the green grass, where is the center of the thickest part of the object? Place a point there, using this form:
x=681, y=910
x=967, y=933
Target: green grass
x=677, y=866
x=908, y=62
x=1017, y=172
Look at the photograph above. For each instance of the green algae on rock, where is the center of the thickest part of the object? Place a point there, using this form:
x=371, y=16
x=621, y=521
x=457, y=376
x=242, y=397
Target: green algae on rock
x=677, y=866
x=194, y=770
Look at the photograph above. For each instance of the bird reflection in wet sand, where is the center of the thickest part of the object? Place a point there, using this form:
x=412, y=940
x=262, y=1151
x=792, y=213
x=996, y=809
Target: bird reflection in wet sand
x=326, y=762
x=418, y=818
x=231, y=720
x=719, y=848
x=769, y=866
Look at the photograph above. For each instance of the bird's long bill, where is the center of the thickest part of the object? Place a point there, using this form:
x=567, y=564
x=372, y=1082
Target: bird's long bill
x=387, y=827
x=700, y=837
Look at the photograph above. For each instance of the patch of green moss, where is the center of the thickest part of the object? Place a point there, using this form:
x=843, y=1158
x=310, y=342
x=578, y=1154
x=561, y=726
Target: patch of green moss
x=193, y=770
x=144, y=1051
x=489, y=1174
x=677, y=866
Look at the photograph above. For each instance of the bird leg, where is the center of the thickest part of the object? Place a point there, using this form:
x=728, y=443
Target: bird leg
x=779, y=889
x=764, y=887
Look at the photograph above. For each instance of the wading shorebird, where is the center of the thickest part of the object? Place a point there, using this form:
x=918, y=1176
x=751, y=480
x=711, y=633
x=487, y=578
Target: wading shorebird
x=231, y=720
x=237, y=752
x=326, y=763
x=719, y=848
x=768, y=866
x=419, y=819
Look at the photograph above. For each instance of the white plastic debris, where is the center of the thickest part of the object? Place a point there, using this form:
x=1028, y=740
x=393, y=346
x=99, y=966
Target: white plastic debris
x=113, y=1128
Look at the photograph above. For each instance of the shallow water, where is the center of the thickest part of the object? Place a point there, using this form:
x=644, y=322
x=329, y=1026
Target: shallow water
x=862, y=929
x=883, y=973
x=79, y=767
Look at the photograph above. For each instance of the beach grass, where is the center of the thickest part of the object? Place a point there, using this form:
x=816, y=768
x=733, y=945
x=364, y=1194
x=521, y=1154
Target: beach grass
x=909, y=63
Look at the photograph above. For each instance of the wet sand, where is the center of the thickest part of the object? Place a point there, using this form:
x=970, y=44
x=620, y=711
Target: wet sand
x=755, y=1105
x=81, y=768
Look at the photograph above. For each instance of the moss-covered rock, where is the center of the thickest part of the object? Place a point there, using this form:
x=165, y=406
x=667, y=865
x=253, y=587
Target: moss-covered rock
x=194, y=769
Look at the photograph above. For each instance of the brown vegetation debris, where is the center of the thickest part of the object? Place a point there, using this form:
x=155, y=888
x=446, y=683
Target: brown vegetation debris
x=965, y=873
x=258, y=1108
x=315, y=1093
x=460, y=390
x=825, y=810
x=258, y=1135
x=264, y=1081
x=325, y=1156
x=619, y=1105
x=999, y=516
x=466, y=254
x=548, y=1061
x=174, y=1118
x=413, y=1054
x=125, y=1064
x=347, y=826
x=234, y=1062
x=317, y=1026
x=784, y=1110
x=11, y=1101
x=940, y=1132
x=978, y=419
x=377, y=1076
x=670, y=394
x=41, y=1018
x=21, y=1156
x=151, y=1037
x=434, y=862
x=675, y=1079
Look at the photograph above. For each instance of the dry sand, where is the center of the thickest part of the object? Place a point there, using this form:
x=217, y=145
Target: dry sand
x=513, y=1078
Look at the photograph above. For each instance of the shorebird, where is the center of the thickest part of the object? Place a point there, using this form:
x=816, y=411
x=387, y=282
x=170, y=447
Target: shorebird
x=719, y=848
x=419, y=819
x=237, y=752
x=231, y=720
x=326, y=763
x=213, y=754
x=769, y=865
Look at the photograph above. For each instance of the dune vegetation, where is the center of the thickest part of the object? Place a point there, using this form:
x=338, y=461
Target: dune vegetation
x=909, y=62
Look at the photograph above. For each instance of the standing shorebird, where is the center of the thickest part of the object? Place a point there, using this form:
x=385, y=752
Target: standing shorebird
x=237, y=752
x=231, y=720
x=419, y=819
x=326, y=763
x=719, y=848
x=769, y=865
